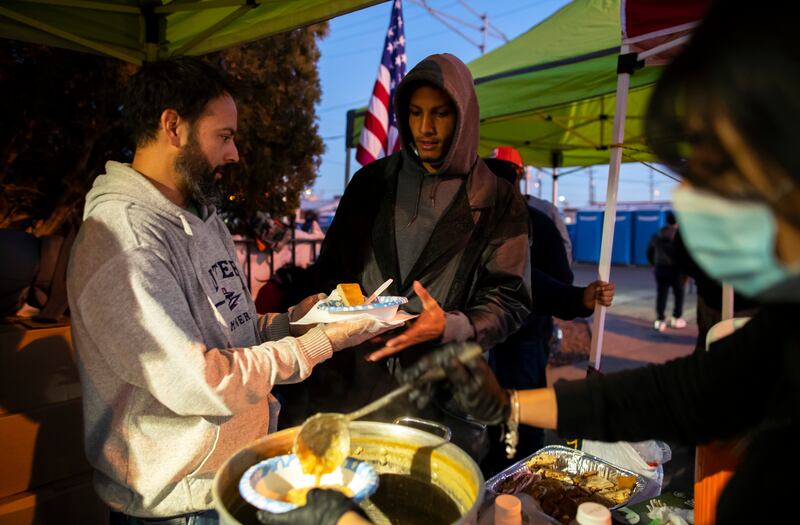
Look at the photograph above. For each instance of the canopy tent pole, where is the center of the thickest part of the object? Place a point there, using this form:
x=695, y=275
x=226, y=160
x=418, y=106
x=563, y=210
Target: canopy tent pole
x=555, y=186
x=556, y=160
x=610, y=216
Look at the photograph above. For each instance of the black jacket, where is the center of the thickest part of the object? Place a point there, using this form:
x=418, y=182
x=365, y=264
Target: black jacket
x=661, y=251
x=748, y=385
x=476, y=259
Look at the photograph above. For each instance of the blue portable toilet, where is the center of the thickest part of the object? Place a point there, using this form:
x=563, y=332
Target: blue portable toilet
x=623, y=238
x=646, y=223
x=589, y=226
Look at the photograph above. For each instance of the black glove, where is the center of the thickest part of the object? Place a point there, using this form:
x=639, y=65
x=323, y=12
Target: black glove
x=473, y=385
x=323, y=507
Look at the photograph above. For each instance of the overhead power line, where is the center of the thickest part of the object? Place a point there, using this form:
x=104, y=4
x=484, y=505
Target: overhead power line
x=456, y=24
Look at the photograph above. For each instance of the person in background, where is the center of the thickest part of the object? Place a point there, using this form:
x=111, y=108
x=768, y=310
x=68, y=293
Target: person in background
x=520, y=362
x=732, y=137
x=661, y=254
x=511, y=155
x=176, y=365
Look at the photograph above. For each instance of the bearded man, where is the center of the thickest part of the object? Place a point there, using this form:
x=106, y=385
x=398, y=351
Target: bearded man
x=176, y=365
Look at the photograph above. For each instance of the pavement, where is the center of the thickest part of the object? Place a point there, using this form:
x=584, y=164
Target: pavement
x=631, y=342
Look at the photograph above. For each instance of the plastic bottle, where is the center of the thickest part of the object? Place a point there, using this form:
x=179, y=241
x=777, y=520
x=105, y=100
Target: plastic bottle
x=592, y=514
x=507, y=510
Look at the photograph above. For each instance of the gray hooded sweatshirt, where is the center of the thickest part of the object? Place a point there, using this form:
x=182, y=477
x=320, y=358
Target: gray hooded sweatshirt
x=175, y=364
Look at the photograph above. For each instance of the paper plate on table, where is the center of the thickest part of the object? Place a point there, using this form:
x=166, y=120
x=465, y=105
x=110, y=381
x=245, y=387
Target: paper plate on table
x=265, y=484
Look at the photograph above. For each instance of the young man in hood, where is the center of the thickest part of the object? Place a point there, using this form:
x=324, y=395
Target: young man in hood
x=176, y=365
x=452, y=236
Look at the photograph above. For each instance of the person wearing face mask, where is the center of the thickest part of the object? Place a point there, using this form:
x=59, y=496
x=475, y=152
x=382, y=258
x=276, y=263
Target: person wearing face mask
x=724, y=114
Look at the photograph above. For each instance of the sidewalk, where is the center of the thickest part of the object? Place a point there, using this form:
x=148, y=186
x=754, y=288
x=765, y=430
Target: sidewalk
x=631, y=342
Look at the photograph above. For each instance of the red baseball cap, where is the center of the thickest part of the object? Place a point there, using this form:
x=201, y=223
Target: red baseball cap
x=508, y=154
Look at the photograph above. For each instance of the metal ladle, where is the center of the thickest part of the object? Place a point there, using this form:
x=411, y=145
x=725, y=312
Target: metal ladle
x=326, y=436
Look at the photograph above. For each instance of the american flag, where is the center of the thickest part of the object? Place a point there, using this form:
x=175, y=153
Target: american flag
x=379, y=136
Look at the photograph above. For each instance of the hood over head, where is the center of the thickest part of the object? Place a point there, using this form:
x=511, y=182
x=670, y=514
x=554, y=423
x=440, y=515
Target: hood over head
x=452, y=76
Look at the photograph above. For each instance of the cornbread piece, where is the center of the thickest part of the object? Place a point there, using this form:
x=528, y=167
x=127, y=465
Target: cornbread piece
x=542, y=460
x=350, y=293
x=617, y=496
x=597, y=483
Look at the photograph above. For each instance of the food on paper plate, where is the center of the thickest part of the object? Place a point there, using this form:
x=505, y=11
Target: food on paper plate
x=298, y=495
x=350, y=293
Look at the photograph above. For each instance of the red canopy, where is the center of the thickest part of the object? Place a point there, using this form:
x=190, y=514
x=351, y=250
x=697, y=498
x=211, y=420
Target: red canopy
x=650, y=24
x=640, y=17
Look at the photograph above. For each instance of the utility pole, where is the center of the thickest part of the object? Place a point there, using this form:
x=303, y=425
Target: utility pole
x=462, y=27
x=652, y=186
x=539, y=181
x=526, y=180
x=591, y=186
x=484, y=31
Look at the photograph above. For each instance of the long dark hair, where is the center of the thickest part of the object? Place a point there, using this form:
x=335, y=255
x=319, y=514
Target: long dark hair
x=743, y=64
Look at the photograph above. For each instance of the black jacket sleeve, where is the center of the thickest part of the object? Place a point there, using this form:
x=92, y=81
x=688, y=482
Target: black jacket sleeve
x=556, y=298
x=707, y=395
x=548, y=253
x=501, y=298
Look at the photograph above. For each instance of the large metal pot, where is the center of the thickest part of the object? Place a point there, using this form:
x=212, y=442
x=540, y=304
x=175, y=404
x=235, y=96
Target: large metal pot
x=424, y=479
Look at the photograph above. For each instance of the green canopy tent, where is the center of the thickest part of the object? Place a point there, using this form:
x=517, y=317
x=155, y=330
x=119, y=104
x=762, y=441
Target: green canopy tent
x=144, y=30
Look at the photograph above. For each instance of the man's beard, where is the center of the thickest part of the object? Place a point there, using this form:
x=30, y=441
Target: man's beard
x=197, y=175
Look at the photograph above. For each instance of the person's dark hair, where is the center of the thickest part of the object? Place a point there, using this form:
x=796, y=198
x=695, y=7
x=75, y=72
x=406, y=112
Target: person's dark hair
x=743, y=64
x=184, y=84
x=670, y=218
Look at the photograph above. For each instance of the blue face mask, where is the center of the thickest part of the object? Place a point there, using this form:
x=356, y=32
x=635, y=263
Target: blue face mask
x=734, y=242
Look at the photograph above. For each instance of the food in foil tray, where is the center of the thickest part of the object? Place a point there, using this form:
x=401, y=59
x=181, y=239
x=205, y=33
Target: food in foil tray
x=560, y=479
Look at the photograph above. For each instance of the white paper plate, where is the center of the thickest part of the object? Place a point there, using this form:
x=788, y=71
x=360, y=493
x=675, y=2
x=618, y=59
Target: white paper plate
x=283, y=473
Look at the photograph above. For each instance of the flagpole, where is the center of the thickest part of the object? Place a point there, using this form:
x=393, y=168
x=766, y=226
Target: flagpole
x=346, y=166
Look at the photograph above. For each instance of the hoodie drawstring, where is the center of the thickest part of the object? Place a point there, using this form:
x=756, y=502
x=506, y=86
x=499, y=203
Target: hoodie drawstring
x=186, y=228
x=416, y=203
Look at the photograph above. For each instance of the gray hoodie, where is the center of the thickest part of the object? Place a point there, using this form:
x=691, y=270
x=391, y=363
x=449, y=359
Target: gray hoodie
x=175, y=365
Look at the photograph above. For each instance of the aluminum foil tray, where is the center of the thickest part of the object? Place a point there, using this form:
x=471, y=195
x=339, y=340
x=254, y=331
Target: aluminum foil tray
x=516, y=477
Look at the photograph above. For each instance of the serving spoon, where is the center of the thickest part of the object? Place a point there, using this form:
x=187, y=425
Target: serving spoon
x=323, y=442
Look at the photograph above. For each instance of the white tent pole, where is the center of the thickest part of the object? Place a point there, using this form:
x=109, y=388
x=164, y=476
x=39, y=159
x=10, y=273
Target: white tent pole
x=604, y=269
